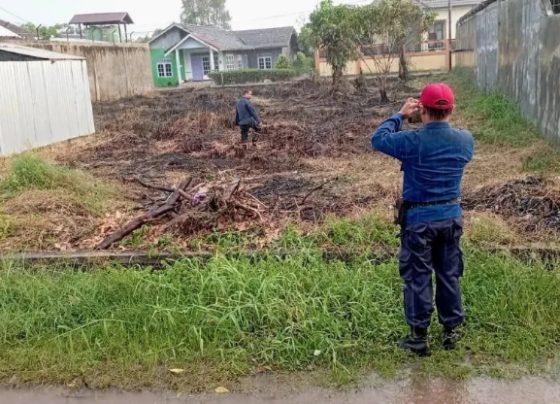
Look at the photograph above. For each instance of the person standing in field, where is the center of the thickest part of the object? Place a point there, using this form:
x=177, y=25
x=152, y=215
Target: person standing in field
x=430, y=215
x=247, y=117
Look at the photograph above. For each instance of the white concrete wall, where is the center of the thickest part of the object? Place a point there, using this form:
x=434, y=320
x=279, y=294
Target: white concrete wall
x=442, y=14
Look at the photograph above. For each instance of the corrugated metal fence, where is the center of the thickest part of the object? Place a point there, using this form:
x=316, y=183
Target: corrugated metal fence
x=43, y=102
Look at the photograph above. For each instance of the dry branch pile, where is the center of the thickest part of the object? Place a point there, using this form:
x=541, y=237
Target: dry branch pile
x=532, y=202
x=189, y=209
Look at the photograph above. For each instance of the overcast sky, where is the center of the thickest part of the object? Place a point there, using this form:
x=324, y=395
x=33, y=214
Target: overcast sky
x=151, y=14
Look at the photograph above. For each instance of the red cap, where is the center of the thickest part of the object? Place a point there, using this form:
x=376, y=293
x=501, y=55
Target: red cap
x=438, y=96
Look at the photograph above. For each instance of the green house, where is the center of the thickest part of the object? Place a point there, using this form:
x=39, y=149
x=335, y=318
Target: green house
x=182, y=53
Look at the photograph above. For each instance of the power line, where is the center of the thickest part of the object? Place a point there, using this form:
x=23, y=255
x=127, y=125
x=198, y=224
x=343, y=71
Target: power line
x=14, y=15
x=270, y=17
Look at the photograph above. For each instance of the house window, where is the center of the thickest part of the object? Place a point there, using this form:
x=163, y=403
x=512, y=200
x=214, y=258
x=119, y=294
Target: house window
x=555, y=6
x=230, y=62
x=265, y=62
x=164, y=69
x=436, y=35
x=206, y=64
x=239, y=62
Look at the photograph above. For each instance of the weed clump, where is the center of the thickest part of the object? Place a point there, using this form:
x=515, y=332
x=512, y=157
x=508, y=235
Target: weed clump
x=29, y=172
x=46, y=206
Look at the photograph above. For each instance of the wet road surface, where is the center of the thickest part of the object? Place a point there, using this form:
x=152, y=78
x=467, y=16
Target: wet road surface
x=265, y=390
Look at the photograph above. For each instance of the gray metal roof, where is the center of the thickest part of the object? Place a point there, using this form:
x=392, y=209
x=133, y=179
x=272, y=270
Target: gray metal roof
x=6, y=33
x=225, y=40
x=36, y=53
x=102, y=18
x=12, y=27
x=266, y=38
x=217, y=37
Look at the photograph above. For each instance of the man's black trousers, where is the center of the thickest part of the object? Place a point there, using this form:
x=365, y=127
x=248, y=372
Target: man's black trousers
x=427, y=249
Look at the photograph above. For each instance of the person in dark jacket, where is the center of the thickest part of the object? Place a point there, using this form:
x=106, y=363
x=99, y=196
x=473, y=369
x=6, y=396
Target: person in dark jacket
x=433, y=161
x=247, y=117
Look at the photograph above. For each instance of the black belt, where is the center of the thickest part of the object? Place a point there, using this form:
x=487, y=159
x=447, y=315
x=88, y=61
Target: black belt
x=413, y=205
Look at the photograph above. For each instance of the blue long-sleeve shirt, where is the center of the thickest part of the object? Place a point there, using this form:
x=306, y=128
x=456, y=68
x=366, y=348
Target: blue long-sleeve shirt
x=433, y=160
x=246, y=114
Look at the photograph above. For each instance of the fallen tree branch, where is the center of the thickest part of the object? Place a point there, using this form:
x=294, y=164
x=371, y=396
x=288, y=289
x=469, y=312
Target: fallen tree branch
x=145, y=218
x=150, y=186
x=318, y=188
x=95, y=258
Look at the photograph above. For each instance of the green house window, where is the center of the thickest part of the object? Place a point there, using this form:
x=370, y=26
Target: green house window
x=164, y=69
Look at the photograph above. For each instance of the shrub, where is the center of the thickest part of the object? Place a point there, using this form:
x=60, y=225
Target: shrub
x=304, y=63
x=252, y=76
x=283, y=63
x=29, y=172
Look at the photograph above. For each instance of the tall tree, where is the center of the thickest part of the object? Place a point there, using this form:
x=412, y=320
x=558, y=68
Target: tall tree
x=383, y=32
x=333, y=32
x=206, y=12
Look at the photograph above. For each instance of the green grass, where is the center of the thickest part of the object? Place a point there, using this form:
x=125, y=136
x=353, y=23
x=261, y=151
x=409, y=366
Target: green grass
x=544, y=160
x=229, y=317
x=29, y=172
x=493, y=118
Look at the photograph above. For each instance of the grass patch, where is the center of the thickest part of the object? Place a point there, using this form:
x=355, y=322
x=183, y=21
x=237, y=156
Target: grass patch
x=46, y=206
x=486, y=229
x=545, y=159
x=4, y=227
x=359, y=234
x=31, y=173
x=493, y=118
x=234, y=317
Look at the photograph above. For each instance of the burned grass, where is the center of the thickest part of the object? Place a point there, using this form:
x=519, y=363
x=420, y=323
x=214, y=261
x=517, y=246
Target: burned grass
x=533, y=204
x=153, y=142
x=312, y=161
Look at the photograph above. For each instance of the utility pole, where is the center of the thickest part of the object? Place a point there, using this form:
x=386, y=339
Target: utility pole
x=450, y=43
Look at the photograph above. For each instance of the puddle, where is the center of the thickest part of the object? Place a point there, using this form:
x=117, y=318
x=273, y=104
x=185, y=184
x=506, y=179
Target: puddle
x=271, y=390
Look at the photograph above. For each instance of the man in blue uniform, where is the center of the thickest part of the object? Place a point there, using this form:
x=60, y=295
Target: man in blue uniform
x=433, y=161
x=247, y=117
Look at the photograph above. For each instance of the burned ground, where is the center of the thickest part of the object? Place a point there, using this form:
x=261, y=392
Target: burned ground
x=312, y=160
x=149, y=142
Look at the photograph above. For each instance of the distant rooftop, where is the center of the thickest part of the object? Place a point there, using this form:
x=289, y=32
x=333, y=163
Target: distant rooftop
x=6, y=33
x=102, y=19
x=39, y=54
x=268, y=37
x=226, y=40
x=12, y=27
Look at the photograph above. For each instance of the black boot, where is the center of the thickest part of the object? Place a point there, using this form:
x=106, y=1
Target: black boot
x=416, y=342
x=451, y=335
